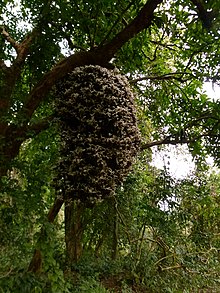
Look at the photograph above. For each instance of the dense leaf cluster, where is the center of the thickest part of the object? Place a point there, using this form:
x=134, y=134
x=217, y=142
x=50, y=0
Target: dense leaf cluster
x=99, y=134
x=156, y=234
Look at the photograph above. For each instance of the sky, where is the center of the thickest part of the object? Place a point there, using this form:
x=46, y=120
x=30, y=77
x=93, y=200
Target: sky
x=177, y=159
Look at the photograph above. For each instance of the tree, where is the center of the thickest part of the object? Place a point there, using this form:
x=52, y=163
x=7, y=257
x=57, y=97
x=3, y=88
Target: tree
x=167, y=49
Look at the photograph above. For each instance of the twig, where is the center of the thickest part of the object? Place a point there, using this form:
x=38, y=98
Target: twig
x=71, y=45
x=141, y=22
x=168, y=141
x=178, y=266
x=115, y=23
x=145, y=238
x=7, y=274
x=122, y=220
x=87, y=28
x=168, y=76
x=163, y=258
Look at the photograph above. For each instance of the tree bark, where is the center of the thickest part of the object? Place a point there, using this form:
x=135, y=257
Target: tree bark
x=74, y=228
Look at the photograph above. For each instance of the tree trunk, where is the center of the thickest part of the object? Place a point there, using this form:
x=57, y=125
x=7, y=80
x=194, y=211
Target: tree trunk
x=36, y=262
x=99, y=244
x=74, y=228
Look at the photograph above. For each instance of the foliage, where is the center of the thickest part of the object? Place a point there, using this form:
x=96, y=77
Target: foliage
x=157, y=233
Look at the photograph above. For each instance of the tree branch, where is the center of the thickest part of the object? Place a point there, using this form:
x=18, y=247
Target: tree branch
x=41, y=125
x=43, y=87
x=9, y=39
x=164, y=142
x=24, y=48
x=99, y=56
x=168, y=76
x=115, y=23
x=205, y=16
x=169, y=140
x=71, y=45
x=87, y=28
x=12, y=73
x=20, y=48
x=140, y=22
x=37, y=259
x=54, y=210
x=3, y=66
x=25, y=45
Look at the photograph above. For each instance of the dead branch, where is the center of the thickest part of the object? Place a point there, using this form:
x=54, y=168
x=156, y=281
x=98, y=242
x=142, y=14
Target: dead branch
x=7, y=274
x=178, y=266
x=163, y=258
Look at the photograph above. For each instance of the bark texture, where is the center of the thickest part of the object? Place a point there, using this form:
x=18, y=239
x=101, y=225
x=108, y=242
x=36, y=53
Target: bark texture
x=74, y=228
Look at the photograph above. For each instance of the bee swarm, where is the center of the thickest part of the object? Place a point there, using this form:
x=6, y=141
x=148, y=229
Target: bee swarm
x=99, y=136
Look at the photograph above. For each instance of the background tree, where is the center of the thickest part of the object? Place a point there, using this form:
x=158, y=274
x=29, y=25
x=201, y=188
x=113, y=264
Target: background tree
x=167, y=50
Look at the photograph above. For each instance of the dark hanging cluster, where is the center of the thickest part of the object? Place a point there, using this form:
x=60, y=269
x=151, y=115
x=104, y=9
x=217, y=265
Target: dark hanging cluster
x=98, y=129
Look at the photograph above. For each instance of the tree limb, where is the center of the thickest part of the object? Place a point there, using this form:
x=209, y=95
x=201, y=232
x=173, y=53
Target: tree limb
x=12, y=73
x=9, y=39
x=26, y=43
x=139, y=23
x=169, y=140
x=115, y=23
x=24, y=47
x=71, y=45
x=54, y=210
x=99, y=56
x=205, y=16
x=164, y=142
x=168, y=76
x=3, y=66
x=39, y=126
x=37, y=259
x=43, y=87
